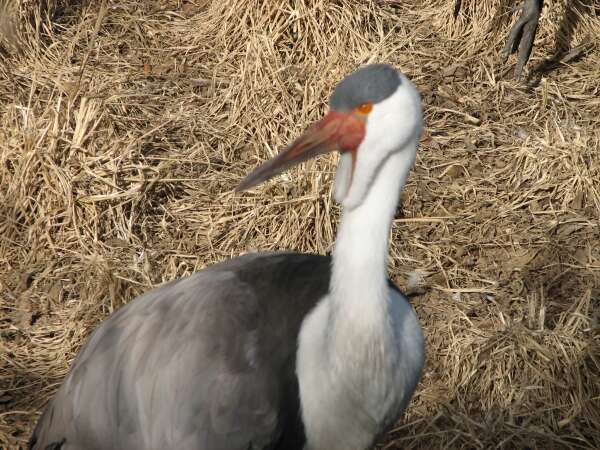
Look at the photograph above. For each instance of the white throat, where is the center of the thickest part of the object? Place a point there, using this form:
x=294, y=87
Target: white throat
x=359, y=272
x=360, y=350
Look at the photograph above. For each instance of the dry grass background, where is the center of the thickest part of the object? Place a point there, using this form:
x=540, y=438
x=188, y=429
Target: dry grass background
x=124, y=127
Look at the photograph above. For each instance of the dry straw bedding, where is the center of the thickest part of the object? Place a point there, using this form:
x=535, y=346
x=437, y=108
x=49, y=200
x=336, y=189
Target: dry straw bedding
x=125, y=126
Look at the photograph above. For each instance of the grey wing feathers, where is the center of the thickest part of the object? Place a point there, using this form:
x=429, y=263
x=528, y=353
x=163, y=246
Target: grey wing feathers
x=203, y=362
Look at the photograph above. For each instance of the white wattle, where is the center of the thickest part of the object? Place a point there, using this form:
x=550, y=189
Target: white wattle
x=343, y=177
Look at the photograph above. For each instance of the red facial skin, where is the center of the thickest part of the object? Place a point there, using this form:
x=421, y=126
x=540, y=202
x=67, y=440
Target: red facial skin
x=350, y=129
x=350, y=133
x=336, y=131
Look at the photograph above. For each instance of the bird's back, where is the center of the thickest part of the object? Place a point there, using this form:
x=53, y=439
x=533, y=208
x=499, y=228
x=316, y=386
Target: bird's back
x=206, y=361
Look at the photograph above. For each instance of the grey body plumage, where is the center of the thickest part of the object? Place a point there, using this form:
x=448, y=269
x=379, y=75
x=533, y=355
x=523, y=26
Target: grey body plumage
x=205, y=361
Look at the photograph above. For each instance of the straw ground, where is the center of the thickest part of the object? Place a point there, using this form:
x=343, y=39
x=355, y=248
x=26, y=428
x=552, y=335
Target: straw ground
x=124, y=127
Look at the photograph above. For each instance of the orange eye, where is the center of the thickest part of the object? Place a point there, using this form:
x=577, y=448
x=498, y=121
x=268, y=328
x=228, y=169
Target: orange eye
x=365, y=108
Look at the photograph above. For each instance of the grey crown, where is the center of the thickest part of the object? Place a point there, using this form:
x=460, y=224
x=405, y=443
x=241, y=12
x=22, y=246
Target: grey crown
x=370, y=84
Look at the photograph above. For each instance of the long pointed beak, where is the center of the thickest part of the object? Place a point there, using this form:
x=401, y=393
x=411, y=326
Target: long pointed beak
x=327, y=135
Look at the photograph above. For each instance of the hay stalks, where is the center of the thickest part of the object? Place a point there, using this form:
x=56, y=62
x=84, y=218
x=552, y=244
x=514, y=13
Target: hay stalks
x=124, y=128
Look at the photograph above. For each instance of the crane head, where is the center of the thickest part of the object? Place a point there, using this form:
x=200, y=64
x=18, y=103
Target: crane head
x=374, y=112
